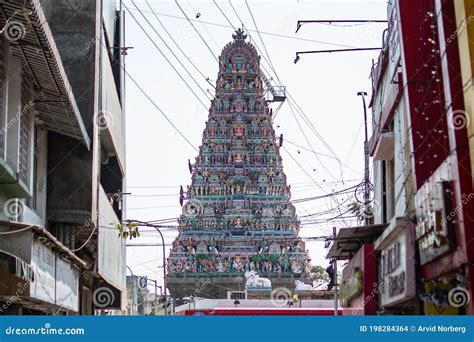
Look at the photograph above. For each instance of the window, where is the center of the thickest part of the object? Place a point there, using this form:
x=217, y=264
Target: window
x=16, y=124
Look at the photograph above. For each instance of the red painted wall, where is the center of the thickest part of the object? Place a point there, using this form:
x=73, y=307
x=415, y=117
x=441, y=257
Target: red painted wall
x=434, y=136
x=366, y=302
x=424, y=85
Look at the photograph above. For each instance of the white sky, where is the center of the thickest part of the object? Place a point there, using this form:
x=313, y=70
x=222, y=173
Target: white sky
x=323, y=85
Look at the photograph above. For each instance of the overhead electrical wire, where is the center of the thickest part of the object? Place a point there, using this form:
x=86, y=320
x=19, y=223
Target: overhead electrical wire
x=134, y=81
x=222, y=12
x=199, y=34
x=155, y=207
x=309, y=143
x=205, y=27
x=273, y=71
x=305, y=118
x=307, y=121
x=172, y=52
x=177, y=45
x=166, y=58
x=262, y=32
x=259, y=35
x=160, y=110
x=290, y=98
x=303, y=115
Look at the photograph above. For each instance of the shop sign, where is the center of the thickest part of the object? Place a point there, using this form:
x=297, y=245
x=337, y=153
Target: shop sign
x=396, y=265
x=435, y=226
x=393, y=271
x=67, y=285
x=352, y=287
x=43, y=263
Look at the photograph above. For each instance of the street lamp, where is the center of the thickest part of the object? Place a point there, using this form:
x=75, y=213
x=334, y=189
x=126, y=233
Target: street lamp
x=363, y=94
x=146, y=224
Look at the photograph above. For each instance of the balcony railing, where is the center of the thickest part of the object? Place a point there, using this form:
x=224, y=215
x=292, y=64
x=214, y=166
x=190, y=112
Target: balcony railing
x=110, y=117
x=111, y=251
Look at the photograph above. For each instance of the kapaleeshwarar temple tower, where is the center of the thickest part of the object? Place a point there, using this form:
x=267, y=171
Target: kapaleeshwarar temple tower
x=237, y=215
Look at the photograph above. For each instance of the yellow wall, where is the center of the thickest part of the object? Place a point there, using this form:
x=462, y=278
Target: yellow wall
x=431, y=309
x=465, y=23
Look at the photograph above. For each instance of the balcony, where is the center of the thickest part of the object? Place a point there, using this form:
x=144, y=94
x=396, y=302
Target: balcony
x=390, y=102
x=110, y=119
x=111, y=248
x=385, y=148
x=31, y=60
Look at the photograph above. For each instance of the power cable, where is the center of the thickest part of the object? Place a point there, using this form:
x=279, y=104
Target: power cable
x=160, y=110
x=166, y=58
x=172, y=52
x=177, y=45
x=199, y=34
x=250, y=30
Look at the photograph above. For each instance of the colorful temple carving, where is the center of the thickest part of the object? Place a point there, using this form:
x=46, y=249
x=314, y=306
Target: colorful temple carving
x=237, y=216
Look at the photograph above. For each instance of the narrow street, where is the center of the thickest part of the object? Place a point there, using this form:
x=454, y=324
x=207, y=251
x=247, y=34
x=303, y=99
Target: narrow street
x=238, y=158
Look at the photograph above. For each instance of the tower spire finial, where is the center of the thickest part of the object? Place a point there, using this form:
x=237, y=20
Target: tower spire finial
x=240, y=34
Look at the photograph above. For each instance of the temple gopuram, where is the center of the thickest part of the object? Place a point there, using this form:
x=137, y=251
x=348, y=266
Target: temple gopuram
x=237, y=217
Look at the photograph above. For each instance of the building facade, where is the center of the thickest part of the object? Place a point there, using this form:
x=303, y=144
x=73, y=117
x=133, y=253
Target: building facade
x=62, y=147
x=421, y=147
x=390, y=149
x=441, y=161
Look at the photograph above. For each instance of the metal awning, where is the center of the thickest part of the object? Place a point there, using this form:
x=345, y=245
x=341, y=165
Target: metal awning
x=31, y=39
x=349, y=240
x=48, y=239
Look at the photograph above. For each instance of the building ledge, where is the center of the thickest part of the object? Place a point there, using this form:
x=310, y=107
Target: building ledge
x=349, y=240
x=10, y=182
x=49, y=240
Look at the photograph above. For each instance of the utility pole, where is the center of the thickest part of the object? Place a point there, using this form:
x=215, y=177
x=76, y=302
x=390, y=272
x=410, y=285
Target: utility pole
x=363, y=94
x=157, y=228
x=334, y=260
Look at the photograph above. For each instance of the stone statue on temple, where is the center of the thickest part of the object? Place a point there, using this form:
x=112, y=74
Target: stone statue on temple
x=254, y=280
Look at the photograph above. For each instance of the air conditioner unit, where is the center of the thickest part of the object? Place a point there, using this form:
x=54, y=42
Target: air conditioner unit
x=236, y=295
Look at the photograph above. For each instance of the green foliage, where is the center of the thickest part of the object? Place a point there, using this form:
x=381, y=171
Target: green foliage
x=128, y=230
x=319, y=273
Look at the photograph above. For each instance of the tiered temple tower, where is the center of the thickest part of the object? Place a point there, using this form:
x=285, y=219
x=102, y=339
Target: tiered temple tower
x=237, y=215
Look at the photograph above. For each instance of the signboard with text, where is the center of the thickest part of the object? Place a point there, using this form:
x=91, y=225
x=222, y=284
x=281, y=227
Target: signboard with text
x=396, y=270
